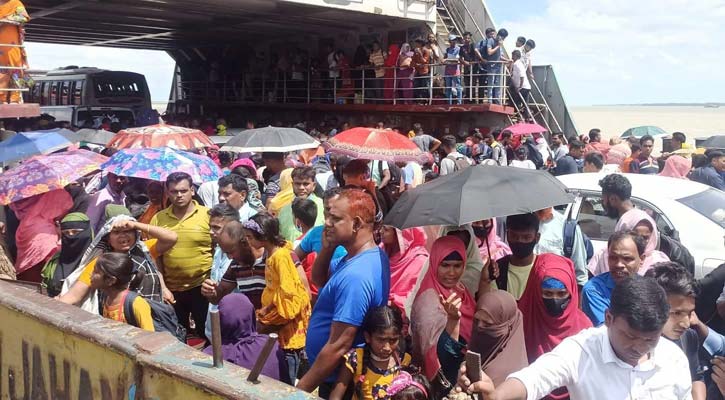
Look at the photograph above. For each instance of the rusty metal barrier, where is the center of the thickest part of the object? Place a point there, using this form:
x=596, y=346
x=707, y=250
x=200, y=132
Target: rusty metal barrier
x=50, y=350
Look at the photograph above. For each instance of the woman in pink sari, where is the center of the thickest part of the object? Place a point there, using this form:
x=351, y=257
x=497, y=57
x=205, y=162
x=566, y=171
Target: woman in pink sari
x=390, y=63
x=677, y=167
x=407, y=253
x=639, y=221
x=405, y=74
x=37, y=236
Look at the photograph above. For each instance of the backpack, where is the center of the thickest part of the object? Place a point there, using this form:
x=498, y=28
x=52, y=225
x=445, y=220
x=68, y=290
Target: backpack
x=569, y=234
x=459, y=163
x=163, y=315
x=677, y=252
x=391, y=191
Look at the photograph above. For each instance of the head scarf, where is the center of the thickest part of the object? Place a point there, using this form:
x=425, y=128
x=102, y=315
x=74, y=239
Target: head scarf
x=241, y=344
x=405, y=51
x=114, y=210
x=393, y=52
x=618, y=153
x=72, y=247
x=286, y=193
x=406, y=263
x=153, y=209
x=492, y=245
x=36, y=238
x=80, y=198
x=428, y=318
x=542, y=331
x=245, y=162
x=150, y=287
x=501, y=344
x=677, y=167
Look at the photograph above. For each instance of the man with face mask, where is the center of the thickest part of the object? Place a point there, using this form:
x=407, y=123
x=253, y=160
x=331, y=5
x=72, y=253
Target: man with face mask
x=624, y=256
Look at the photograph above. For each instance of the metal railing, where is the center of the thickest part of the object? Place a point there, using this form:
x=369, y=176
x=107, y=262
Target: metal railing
x=476, y=83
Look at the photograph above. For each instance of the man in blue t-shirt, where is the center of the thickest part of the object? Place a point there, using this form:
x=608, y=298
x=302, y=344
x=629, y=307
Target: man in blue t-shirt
x=360, y=281
x=491, y=48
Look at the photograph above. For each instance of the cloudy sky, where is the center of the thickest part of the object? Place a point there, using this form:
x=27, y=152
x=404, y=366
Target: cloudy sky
x=603, y=51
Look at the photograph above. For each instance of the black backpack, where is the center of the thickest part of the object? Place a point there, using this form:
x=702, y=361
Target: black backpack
x=163, y=315
x=459, y=163
x=676, y=252
x=569, y=234
x=391, y=191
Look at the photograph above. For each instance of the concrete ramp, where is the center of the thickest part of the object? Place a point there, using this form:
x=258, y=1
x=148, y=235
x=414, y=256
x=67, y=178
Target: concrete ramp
x=49, y=350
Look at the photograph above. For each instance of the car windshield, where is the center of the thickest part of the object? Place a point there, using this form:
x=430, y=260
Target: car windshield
x=710, y=203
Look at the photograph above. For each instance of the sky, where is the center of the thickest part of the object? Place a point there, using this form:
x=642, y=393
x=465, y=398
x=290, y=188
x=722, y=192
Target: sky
x=602, y=51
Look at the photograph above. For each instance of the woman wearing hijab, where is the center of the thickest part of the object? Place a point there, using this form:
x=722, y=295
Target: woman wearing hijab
x=406, y=72
x=407, y=253
x=677, y=167
x=76, y=235
x=286, y=193
x=79, y=196
x=442, y=315
x=639, y=221
x=498, y=335
x=122, y=234
x=490, y=246
x=550, y=308
x=241, y=344
x=391, y=62
x=37, y=237
x=246, y=168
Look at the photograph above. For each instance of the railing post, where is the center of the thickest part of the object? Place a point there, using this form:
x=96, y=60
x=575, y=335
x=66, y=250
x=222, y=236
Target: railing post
x=334, y=90
x=395, y=85
x=362, y=77
x=470, y=83
x=430, y=85
x=264, y=88
x=309, y=82
x=284, y=88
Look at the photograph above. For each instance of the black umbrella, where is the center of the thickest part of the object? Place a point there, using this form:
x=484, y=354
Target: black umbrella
x=714, y=142
x=477, y=193
x=271, y=139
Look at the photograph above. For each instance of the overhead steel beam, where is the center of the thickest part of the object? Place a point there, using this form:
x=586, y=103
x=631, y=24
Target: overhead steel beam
x=59, y=8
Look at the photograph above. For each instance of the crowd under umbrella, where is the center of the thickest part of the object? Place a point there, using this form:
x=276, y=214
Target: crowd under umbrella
x=44, y=173
x=375, y=144
x=158, y=163
x=714, y=142
x=160, y=135
x=270, y=139
x=477, y=193
x=25, y=144
x=639, y=131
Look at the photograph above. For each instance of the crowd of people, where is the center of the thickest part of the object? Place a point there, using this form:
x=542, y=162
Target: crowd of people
x=294, y=244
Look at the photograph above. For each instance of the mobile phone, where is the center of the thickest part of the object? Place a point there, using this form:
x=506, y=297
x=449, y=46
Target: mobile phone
x=473, y=366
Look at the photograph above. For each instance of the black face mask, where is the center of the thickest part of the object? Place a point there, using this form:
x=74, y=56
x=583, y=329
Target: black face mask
x=481, y=231
x=556, y=307
x=521, y=250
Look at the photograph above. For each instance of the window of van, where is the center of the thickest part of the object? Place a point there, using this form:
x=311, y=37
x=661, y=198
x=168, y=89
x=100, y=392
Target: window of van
x=45, y=93
x=110, y=87
x=53, y=93
x=65, y=92
x=77, y=93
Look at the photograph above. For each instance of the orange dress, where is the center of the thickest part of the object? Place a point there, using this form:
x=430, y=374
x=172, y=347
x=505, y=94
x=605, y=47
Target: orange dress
x=12, y=18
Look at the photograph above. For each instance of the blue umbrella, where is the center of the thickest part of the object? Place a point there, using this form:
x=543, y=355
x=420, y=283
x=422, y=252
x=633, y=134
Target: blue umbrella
x=26, y=144
x=640, y=131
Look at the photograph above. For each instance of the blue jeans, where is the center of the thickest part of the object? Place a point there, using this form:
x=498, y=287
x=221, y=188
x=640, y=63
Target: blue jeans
x=454, y=83
x=293, y=358
x=492, y=83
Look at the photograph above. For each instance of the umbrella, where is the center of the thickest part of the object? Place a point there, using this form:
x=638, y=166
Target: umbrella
x=26, y=144
x=160, y=135
x=640, y=131
x=375, y=144
x=477, y=193
x=714, y=142
x=95, y=136
x=44, y=173
x=157, y=164
x=521, y=129
x=270, y=139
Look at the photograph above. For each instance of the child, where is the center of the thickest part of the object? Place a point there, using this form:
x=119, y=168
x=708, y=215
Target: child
x=409, y=386
x=112, y=275
x=285, y=299
x=305, y=215
x=373, y=368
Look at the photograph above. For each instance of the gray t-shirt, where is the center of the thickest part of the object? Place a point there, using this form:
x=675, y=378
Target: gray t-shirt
x=423, y=142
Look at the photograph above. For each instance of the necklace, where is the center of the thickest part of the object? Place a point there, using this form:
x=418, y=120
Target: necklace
x=378, y=359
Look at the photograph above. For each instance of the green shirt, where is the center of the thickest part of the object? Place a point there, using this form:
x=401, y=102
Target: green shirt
x=287, y=220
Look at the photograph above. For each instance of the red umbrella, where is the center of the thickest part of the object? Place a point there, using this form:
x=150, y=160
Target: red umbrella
x=521, y=129
x=161, y=135
x=375, y=144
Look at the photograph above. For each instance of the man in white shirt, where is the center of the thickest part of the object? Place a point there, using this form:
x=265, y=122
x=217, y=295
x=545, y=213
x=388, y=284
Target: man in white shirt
x=526, y=57
x=623, y=360
x=453, y=160
x=520, y=81
x=558, y=146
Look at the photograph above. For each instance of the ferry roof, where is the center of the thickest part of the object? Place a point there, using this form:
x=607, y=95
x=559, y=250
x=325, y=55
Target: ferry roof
x=175, y=24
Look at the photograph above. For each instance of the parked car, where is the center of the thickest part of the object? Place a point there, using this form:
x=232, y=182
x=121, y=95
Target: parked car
x=689, y=210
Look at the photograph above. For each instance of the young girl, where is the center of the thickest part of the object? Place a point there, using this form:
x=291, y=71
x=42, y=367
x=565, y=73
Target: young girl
x=409, y=385
x=112, y=275
x=285, y=299
x=373, y=368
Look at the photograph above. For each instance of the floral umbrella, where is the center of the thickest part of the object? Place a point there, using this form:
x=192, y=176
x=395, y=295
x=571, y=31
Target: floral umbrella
x=41, y=174
x=161, y=135
x=157, y=164
x=375, y=144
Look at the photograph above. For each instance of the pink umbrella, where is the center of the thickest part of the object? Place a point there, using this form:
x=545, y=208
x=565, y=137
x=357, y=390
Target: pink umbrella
x=521, y=129
x=160, y=135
